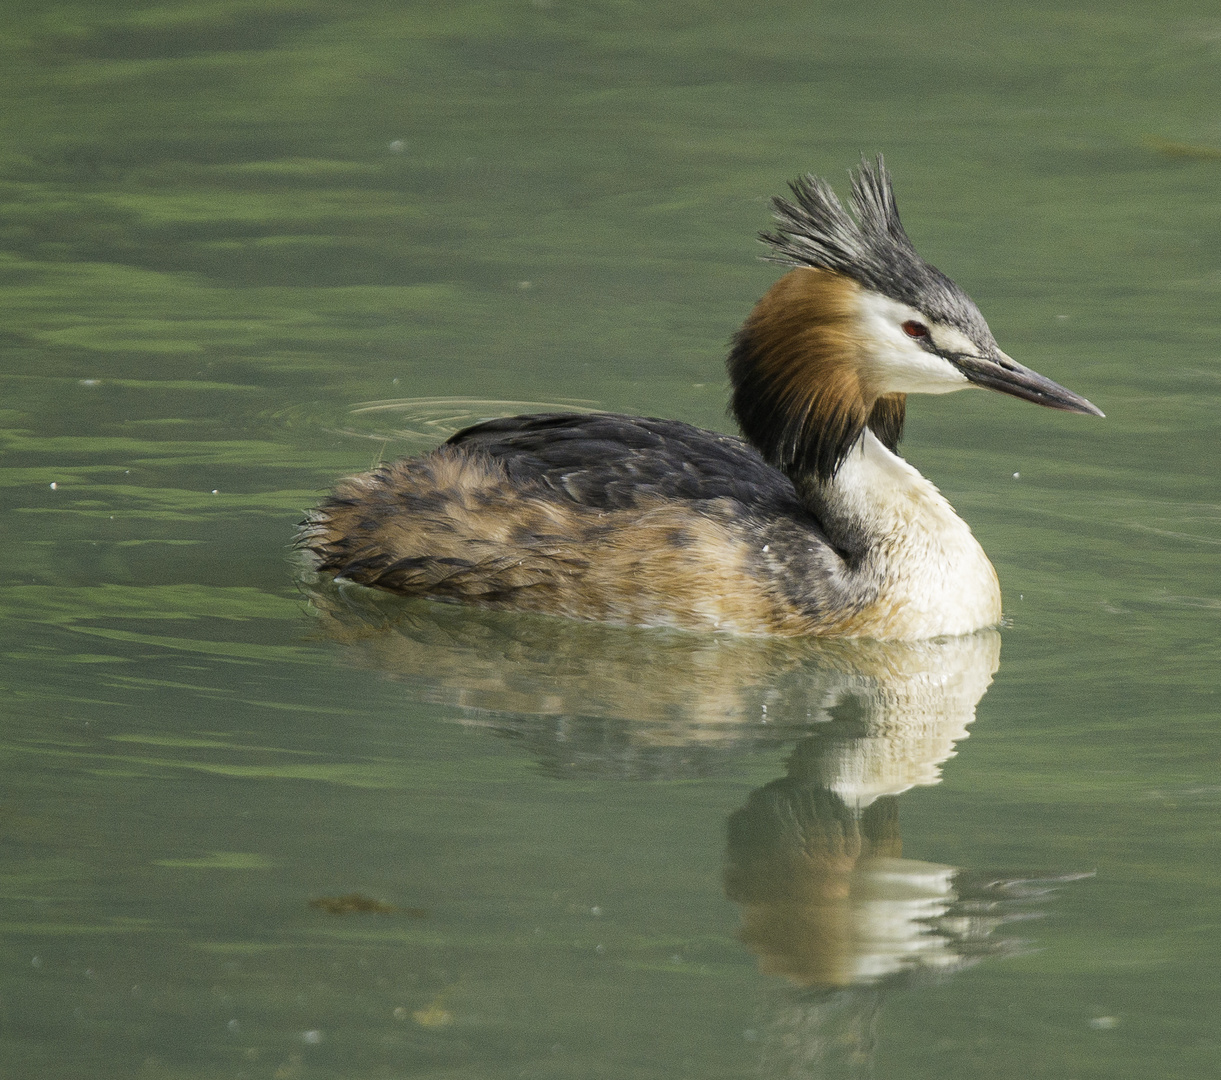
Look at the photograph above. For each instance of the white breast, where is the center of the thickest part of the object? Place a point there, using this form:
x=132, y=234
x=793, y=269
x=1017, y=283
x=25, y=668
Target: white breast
x=930, y=573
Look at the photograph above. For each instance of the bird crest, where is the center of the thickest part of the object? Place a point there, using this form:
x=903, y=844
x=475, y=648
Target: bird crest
x=868, y=245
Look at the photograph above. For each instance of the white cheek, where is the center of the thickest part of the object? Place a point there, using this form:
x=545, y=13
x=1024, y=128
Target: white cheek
x=905, y=368
x=896, y=363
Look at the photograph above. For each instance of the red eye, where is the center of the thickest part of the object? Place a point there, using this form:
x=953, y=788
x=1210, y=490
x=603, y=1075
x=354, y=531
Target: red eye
x=915, y=329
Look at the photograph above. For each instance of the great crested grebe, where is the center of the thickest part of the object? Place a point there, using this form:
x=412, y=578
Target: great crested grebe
x=811, y=524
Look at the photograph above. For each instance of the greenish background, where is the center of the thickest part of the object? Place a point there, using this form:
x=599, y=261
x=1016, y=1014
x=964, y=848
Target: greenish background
x=225, y=225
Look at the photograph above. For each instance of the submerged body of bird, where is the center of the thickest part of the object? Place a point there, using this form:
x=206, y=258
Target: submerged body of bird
x=810, y=524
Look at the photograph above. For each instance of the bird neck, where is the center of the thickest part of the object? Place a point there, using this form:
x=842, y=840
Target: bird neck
x=800, y=368
x=912, y=564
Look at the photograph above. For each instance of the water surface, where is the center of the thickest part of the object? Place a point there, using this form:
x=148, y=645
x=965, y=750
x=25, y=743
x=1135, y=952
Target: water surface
x=252, y=825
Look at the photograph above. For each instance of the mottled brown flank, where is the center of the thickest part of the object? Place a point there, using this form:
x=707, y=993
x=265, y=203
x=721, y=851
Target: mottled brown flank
x=797, y=370
x=450, y=526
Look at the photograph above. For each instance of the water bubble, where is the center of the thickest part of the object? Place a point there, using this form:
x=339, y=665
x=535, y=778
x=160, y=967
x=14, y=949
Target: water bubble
x=1104, y=1023
x=311, y=1038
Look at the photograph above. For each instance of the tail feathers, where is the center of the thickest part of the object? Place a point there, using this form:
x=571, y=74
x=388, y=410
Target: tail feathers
x=446, y=526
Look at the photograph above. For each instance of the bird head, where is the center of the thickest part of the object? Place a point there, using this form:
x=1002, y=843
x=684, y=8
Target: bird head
x=862, y=321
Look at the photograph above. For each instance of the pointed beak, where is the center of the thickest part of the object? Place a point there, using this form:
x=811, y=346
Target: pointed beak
x=1000, y=372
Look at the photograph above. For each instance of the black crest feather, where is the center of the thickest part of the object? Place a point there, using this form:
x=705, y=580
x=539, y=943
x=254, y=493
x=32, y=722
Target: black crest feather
x=868, y=245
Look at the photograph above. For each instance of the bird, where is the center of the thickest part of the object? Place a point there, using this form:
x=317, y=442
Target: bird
x=808, y=524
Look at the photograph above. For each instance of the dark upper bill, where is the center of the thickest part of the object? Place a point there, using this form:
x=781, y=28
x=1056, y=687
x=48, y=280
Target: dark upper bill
x=1009, y=377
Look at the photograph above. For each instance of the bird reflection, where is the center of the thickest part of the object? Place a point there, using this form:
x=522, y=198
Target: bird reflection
x=815, y=859
x=596, y=700
x=833, y=911
x=828, y=903
x=603, y=701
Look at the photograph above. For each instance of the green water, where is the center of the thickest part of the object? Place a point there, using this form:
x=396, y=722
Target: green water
x=249, y=247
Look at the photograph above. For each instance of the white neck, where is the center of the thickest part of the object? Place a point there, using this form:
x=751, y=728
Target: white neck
x=914, y=562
